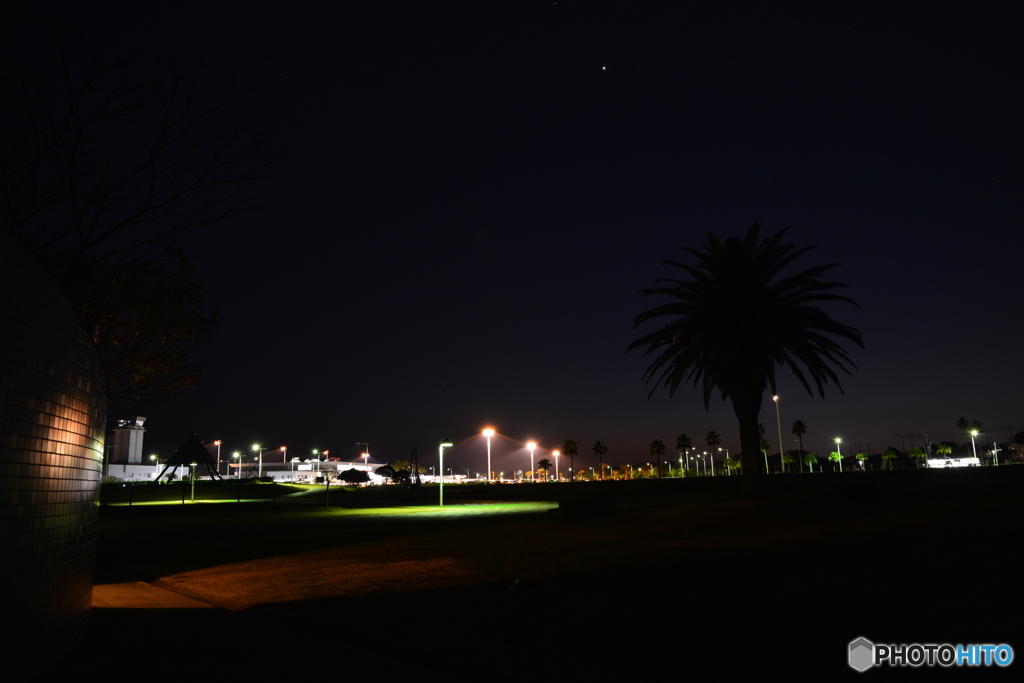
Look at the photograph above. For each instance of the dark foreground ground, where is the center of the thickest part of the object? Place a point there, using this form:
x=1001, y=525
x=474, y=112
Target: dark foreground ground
x=688, y=582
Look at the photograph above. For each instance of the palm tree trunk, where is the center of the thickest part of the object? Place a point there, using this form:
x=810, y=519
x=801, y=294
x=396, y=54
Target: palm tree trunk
x=747, y=407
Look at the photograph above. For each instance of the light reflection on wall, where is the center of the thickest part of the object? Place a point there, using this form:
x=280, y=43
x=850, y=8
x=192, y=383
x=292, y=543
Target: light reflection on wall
x=52, y=417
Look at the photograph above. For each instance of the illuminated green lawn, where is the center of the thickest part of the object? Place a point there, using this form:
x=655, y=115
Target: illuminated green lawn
x=241, y=556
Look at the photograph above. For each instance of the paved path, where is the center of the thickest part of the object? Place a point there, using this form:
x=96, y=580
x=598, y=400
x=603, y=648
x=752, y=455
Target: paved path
x=140, y=595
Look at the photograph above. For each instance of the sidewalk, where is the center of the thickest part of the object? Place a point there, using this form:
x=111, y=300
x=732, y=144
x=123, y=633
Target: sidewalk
x=141, y=595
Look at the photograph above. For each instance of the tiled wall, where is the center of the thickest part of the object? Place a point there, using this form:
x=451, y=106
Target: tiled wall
x=52, y=416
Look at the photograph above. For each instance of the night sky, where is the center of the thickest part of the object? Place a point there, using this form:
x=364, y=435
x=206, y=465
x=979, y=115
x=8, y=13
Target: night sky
x=470, y=200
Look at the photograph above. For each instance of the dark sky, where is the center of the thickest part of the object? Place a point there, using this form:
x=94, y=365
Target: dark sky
x=471, y=199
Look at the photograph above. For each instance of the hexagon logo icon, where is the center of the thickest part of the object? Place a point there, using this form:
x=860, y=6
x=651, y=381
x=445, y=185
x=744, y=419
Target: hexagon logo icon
x=862, y=654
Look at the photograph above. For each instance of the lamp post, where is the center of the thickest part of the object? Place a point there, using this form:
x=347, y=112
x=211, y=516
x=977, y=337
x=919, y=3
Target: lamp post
x=556, y=464
x=533, y=477
x=974, y=433
x=839, y=452
x=284, y=454
x=489, y=433
x=238, y=456
x=217, y=444
x=294, y=460
x=445, y=443
x=365, y=454
x=156, y=465
x=778, y=423
x=259, y=448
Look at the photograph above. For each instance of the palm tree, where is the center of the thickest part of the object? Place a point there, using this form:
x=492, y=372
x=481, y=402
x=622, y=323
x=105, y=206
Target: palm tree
x=599, y=450
x=944, y=450
x=658, y=450
x=570, y=448
x=835, y=456
x=683, y=444
x=799, y=429
x=736, y=316
x=889, y=455
x=544, y=464
x=810, y=459
x=918, y=454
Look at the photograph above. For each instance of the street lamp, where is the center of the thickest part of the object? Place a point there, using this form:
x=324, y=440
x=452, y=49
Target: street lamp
x=257, y=447
x=974, y=433
x=284, y=454
x=556, y=453
x=488, y=433
x=366, y=461
x=778, y=423
x=533, y=477
x=217, y=444
x=839, y=452
x=366, y=453
x=238, y=456
x=156, y=465
x=445, y=443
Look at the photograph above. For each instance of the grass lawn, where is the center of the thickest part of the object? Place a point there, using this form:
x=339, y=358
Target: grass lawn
x=687, y=572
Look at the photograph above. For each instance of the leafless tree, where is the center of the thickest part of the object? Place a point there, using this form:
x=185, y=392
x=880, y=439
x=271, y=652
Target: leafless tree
x=103, y=161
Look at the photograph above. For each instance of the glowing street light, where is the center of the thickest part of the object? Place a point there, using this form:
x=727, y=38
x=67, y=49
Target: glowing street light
x=257, y=447
x=217, y=444
x=489, y=433
x=556, y=453
x=284, y=454
x=445, y=443
x=839, y=452
x=238, y=456
x=974, y=433
x=533, y=477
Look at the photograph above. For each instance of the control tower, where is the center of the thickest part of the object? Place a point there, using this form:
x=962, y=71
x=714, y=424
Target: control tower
x=128, y=441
